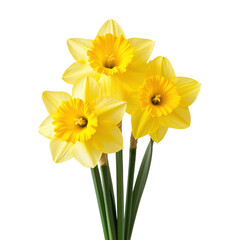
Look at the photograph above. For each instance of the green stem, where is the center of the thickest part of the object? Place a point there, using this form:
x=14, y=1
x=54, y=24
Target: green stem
x=132, y=160
x=120, y=196
x=108, y=203
x=100, y=199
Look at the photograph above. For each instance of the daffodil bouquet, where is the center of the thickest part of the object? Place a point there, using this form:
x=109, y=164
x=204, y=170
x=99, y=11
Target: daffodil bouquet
x=111, y=75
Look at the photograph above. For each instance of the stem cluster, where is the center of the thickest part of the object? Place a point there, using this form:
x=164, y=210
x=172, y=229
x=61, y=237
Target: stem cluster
x=117, y=225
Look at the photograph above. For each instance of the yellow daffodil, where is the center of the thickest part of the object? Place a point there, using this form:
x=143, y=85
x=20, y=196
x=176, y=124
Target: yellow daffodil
x=83, y=125
x=162, y=101
x=115, y=62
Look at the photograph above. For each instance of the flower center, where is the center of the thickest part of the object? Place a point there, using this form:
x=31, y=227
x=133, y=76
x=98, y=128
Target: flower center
x=156, y=99
x=82, y=122
x=111, y=62
x=74, y=120
x=159, y=96
x=110, y=55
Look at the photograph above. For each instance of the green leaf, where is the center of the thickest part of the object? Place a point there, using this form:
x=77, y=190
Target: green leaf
x=140, y=183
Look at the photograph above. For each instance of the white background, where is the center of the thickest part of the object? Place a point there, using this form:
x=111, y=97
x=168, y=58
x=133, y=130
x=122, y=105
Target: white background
x=193, y=191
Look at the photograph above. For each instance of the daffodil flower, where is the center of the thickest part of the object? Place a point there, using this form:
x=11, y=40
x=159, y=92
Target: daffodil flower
x=83, y=125
x=162, y=101
x=115, y=62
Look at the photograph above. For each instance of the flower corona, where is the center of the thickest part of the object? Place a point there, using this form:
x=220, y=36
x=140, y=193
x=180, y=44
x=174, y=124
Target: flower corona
x=158, y=96
x=74, y=120
x=110, y=55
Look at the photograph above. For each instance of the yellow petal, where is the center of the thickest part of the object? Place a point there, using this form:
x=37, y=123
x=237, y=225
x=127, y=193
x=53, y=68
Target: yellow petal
x=121, y=86
x=142, y=48
x=110, y=109
x=86, y=154
x=86, y=89
x=180, y=118
x=110, y=86
x=138, y=66
x=78, y=47
x=143, y=124
x=76, y=71
x=112, y=27
x=47, y=128
x=188, y=89
x=61, y=150
x=130, y=81
x=108, y=138
x=161, y=66
x=133, y=103
x=53, y=100
x=159, y=134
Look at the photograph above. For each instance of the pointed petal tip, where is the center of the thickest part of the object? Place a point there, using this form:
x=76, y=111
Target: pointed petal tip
x=86, y=88
x=39, y=130
x=188, y=89
x=45, y=94
x=158, y=135
x=68, y=40
x=111, y=26
x=60, y=150
x=111, y=21
x=86, y=154
x=53, y=99
x=90, y=165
